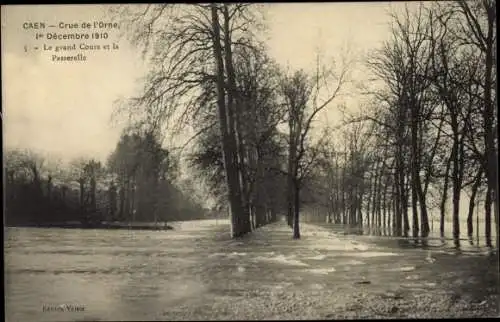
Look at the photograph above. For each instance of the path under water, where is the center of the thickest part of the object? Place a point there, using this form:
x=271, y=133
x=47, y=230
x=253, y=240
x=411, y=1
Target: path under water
x=197, y=272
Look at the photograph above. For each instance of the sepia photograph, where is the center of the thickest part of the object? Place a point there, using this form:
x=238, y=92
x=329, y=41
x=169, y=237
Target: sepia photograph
x=250, y=161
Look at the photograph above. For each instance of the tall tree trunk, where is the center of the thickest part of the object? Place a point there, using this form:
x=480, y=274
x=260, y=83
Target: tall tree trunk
x=406, y=224
x=416, y=185
x=261, y=213
x=384, y=208
x=227, y=133
x=258, y=191
x=292, y=167
x=456, y=184
x=93, y=199
x=414, y=206
x=390, y=213
x=369, y=200
x=375, y=196
x=338, y=212
x=243, y=176
x=128, y=195
x=424, y=220
x=290, y=192
x=234, y=126
x=475, y=186
x=487, y=218
x=132, y=208
x=82, y=199
x=121, y=210
x=360, y=207
x=379, y=199
x=444, y=198
x=398, y=201
x=353, y=200
x=112, y=202
x=396, y=209
x=296, y=228
x=489, y=115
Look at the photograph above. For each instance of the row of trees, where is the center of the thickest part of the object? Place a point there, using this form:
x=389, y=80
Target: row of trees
x=251, y=117
x=429, y=126
x=136, y=184
x=433, y=89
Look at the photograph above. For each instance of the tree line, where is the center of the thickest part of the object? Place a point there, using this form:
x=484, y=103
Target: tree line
x=211, y=72
x=426, y=134
x=137, y=183
x=427, y=125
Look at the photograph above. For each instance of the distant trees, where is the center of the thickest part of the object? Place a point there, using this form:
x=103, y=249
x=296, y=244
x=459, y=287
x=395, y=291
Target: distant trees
x=423, y=138
x=140, y=165
x=266, y=99
x=23, y=169
x=430, y=99
x=138, y=184
x=403, y=64
x=433, y=88
x=349, y=177
x=297, y=91
x=86, y=173
x=209, y=69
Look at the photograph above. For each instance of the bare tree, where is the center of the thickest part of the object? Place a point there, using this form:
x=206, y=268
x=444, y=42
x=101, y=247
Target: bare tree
x=190, y=46
x=478, y=28
x=302, y=108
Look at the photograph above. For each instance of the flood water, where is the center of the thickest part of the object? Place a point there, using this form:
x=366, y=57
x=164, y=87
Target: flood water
x=165, y=275
x=443, y=244
x=107, y=272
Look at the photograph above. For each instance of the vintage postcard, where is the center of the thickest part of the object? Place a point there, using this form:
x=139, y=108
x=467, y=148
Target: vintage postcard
x=250, y=161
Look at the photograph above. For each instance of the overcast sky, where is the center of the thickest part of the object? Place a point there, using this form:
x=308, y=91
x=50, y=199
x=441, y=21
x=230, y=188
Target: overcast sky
x=65, y=108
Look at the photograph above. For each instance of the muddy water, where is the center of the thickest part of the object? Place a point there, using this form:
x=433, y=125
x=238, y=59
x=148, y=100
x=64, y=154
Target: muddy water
x=197, y=272
x=110, y=274
x=444, y=244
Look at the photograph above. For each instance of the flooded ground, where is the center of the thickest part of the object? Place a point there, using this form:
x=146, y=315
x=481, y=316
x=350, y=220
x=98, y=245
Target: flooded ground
x=197, y=272
x=434, y=242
